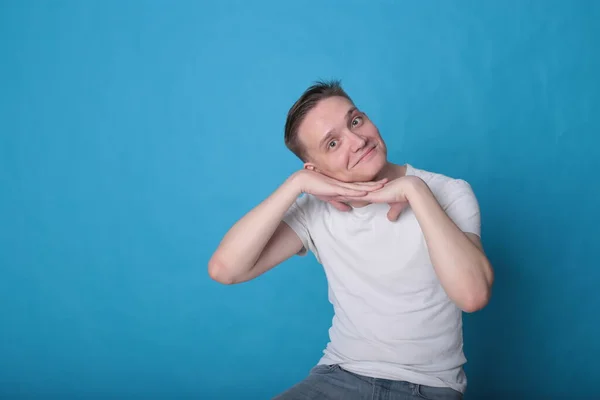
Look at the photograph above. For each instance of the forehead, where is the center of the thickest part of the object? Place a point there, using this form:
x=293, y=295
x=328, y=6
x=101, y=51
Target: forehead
x=328, y=114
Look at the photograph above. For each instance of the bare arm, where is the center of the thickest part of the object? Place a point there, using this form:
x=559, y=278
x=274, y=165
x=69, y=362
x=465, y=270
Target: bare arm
x=260, y=240
x=458, y=258
x=235, y=260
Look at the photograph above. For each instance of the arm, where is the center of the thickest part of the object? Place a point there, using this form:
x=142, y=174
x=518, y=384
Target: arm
x=261, y=240
x=458, y=258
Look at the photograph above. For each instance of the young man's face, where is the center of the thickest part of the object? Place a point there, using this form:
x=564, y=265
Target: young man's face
x=341, y=142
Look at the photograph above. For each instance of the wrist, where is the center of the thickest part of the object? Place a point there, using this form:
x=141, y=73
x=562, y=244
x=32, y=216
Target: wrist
x=294, y=183
x=416, y=189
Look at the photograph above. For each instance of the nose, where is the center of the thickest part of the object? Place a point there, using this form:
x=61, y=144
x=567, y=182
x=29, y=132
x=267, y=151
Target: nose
x=357, y=142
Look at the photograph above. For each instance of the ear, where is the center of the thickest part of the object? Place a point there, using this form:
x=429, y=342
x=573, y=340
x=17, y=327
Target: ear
x=310, y=166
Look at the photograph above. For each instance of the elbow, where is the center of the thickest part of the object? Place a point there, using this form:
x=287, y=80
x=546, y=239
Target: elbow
x=218, y=272
x=477, y=300
x=479, y=296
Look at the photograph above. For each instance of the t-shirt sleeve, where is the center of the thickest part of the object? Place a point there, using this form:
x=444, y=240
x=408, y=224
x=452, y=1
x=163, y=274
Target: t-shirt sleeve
x=297, y=218
x=462, y=206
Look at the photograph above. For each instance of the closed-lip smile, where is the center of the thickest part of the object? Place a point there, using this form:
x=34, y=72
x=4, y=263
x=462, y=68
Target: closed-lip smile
x=366, y=153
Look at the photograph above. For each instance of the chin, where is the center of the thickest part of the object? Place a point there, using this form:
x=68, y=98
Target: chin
x=372, y=169
x=367, y=173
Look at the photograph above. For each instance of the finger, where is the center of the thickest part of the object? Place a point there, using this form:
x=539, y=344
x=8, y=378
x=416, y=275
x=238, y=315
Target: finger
x=347, y=192
x=376, y=197
x=395, y=210
x=378, y=183
x=366, y=184
x=371, y=183
x=344, y=199
x=340, y=206
x=361, y=187
x=338, y=198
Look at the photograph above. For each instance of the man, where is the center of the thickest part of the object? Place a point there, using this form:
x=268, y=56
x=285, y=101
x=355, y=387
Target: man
x=400, y=247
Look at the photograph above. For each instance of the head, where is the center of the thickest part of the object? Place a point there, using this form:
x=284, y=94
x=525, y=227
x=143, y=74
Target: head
x=332, y=136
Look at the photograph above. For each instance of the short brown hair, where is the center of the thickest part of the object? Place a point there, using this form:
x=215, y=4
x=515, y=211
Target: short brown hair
x=310, y=98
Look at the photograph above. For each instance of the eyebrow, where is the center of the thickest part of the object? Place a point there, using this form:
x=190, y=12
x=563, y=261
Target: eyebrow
x=329, y=134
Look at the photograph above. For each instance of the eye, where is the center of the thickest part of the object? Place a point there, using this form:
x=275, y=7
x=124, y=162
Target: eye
x=356, y=121
x=332, y=144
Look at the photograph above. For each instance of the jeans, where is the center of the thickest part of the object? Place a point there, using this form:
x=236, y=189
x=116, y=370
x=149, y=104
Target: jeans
x=333, y=382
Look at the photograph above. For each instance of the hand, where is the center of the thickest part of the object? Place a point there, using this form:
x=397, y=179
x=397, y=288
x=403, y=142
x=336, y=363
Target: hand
x=395, y=193
x=333, y=191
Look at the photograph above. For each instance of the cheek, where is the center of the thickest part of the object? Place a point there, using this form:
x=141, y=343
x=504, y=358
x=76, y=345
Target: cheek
x=371, y=131
x=334, y=162
x=342, y=159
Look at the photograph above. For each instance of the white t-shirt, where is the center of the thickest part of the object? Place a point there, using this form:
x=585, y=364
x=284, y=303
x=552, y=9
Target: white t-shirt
x=392, y=318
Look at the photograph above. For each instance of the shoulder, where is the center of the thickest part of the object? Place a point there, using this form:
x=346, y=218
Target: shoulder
x=438, y=181
x=455, y=196
x=308, y=202
x=308, y=205
x=434, y=179
x=444, y=187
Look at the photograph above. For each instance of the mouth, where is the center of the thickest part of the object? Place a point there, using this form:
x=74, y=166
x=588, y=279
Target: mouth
x=365, y=155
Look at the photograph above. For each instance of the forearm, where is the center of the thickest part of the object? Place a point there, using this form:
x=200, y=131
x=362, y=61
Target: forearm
x=243, y=244
x=462, y=267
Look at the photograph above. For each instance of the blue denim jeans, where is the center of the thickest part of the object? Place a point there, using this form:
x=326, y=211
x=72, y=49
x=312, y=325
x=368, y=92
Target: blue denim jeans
x=333, y=382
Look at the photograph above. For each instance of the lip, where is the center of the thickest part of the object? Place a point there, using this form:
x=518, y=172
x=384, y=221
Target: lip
x=366, y=154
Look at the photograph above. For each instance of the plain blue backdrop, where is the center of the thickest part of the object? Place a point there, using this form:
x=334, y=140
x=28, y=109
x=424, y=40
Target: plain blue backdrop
x=134, y=134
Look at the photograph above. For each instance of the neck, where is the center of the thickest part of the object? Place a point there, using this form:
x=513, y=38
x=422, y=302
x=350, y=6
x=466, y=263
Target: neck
x=391, y=172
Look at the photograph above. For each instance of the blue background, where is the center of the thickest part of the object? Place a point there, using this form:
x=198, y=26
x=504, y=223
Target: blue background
x=134, y=134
